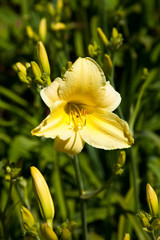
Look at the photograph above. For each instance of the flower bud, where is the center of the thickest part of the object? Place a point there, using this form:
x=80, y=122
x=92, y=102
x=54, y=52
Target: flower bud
x=102, y=37
x=21, y=68
x=114, y=33
x=91, y=50
x=156, y=224
x=27, y=218
x=145, y=218
x=47, y=232
x=152, y=200
x=37, y=72
x=126, y=237
x=43, y=29
x=66, y=235
x=44, y=198
x=58, y=26
x=43, y=58
x=23, y=77
x=122, y=158
x=107, y=64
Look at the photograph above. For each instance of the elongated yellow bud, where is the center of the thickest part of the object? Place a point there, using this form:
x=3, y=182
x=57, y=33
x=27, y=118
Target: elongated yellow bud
x=58, y=26
x=126, y=237
x=27, y=218
x=114, y=33
x=23, y=77
x=122, y=158
x=47, y=232
x=152, y=200
x=107, y=64
x=36, y=70
x=44, y=198
x=21, y=68
x=43, y=58
x=43, y=29
x=102, y=37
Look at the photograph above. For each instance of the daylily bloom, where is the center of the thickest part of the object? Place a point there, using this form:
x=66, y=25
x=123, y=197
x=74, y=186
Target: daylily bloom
x=81, y=106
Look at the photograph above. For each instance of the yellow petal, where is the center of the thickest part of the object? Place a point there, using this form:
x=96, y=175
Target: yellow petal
x=56, y=123
x=83, y=83
x=50, y=93
x=72, y=146
x=105, y=130
x=110, y=98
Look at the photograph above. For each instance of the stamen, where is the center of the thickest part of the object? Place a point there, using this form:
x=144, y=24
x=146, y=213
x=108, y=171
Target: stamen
x=77, y=117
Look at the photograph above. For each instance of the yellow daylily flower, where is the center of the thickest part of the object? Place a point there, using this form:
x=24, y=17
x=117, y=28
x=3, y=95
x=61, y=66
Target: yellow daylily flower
x=81, y=106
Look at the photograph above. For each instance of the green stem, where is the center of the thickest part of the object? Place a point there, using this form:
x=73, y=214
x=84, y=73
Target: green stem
x=135, y=177
x=82, y=201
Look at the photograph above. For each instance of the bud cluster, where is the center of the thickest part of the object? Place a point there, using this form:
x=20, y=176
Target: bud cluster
x=150, y=221
x=46, y=206
x=35, y=73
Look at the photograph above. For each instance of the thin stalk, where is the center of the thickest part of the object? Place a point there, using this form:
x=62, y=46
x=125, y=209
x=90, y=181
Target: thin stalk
x=135, y=177
x=82, y=201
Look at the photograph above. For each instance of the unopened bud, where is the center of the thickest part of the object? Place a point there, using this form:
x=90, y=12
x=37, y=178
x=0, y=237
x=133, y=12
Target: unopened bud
x=122, y=158
x=91, y=50
x=43, y=58
x=126, y=237
x=44, y=198
x=30, y=31
x=107, y=64
x=66, y=235
x=145, y=218
x=58, y=26
x=152, y=200
x=47, y=232
x=102, y=37
x=21, y=68
x=114, y=33
x=23, y=77
x=37, y=72
x=156, y=224
x=43, y=29
x=27, y=218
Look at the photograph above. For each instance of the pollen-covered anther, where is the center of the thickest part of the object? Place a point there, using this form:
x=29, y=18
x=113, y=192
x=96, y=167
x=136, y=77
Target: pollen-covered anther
x=77, y=117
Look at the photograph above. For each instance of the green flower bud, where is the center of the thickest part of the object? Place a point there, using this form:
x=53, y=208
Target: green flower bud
x=126, y=237
x=145, y=218
x=44, y=198
x=102, y=37
x=23, y=77
x=58, y=26
x=156, y=224
x=27, y=218
x=152, y=200
x=66, y=235
x=114, y=33
x=91, y=50
x=43, y=58
x=47, y=232
x=107, y=64
x=122, y=158
x=37, y=72
x=21, y=68
x=43, y=29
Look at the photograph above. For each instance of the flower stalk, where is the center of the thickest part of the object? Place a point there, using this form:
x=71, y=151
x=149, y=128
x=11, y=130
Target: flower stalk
x=81, y=191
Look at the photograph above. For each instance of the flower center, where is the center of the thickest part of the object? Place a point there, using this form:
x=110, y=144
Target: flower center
x=77, y=117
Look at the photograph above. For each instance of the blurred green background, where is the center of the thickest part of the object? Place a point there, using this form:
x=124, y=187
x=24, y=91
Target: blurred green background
x=113, y=212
